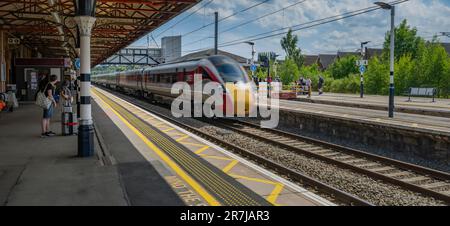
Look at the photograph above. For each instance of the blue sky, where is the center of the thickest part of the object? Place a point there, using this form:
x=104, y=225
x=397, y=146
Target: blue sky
x=429, y=16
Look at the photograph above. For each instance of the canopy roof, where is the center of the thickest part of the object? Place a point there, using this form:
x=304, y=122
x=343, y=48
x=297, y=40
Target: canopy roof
x=48, y=26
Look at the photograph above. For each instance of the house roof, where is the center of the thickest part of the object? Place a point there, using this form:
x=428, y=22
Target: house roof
x=310, y=60
x=344, y=54
x=371, y=52
x=327, y=59
x=446, y=47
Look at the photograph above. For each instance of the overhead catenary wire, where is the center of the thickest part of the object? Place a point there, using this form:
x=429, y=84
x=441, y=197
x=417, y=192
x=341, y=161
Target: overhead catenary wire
x=250, y=21
x=302, y=26
x=185, y=18
x=225, y=18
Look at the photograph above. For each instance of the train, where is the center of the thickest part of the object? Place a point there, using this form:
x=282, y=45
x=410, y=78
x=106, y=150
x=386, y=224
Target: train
x=155, y=83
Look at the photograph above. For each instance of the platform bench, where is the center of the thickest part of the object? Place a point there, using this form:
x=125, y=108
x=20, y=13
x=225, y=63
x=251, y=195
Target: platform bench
x=422, y=92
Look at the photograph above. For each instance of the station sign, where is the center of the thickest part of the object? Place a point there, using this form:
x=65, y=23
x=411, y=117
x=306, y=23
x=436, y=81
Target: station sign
x=362, y=68
x=362, y=62
x=13, y=41
x=253, y=68
x=77, y=63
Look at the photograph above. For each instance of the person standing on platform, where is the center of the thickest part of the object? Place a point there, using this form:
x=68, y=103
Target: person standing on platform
x=309, y=86
x=320, y=85
x=66, y=93
x=49, y=91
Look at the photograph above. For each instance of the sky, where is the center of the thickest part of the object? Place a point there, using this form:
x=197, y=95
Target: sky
x=429, y=16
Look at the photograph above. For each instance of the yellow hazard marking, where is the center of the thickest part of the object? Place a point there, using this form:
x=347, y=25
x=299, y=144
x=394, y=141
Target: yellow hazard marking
x=216, y=157
x=168, y=130
x=197, y=187
x=199, y=151
x=272, y=198
x=230, y=166
x=182, y=138
x=192, y=144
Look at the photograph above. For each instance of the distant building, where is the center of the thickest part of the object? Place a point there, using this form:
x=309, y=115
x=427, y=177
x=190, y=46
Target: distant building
x=446, y=47
x=326, y=60
x=171, y=48
x=345, y=54
x=371, y=53
x=310, y=60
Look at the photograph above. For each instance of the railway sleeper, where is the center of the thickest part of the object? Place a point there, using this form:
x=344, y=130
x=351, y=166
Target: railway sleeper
x=415, y=179
x=399, y=174
x=435, y=185
x=382, y=169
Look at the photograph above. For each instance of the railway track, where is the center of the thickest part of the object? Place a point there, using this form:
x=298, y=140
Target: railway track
x=426, y=181
x=333, y=192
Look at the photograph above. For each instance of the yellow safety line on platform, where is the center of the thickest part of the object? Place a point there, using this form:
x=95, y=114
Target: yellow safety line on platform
x=197, y=187
x=272, y=198
x=168, y=130
x=201, y=150
x=182, y=138
x=230, y=166
x=192, y=144
x=216, y=157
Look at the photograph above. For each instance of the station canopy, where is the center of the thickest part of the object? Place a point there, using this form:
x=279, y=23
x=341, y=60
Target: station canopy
x=48, y=26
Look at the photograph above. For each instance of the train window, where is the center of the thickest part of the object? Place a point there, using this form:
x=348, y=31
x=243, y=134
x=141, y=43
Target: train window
x=229, y=70
x=168, y=78
x=174, y=78
x=205, y=76
x=158, y=78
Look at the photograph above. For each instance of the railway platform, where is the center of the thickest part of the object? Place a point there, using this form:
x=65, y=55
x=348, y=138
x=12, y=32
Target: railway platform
x=417, y=105
x=422, y=137
x=200, y=172
x=141, y=160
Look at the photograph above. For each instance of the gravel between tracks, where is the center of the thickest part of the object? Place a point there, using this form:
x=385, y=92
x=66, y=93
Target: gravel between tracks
x=376, y=192
x=364, y=187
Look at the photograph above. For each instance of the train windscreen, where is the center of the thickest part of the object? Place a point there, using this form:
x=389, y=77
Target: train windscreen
x=229, y=70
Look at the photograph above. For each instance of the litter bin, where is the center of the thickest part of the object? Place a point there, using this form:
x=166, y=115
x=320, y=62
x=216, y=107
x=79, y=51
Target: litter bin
x=67, y=122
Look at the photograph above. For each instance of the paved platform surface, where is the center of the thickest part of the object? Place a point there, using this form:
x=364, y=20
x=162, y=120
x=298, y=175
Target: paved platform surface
x=417, y=105
x=45, y=171
x=420, y=123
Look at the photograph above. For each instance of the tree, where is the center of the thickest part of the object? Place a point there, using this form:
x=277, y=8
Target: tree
x=433, y=69
x=377, y=77
x=289, y=44
x=288, y=71
x=343, y=67
x=406, y=42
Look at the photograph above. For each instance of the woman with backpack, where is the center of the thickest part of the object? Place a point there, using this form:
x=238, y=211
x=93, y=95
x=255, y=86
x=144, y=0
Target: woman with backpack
x=49, y=91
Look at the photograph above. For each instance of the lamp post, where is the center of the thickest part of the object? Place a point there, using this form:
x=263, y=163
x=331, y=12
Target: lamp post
x=362, y=73
x=253, y=58
x=85, y=19
x=387, y=6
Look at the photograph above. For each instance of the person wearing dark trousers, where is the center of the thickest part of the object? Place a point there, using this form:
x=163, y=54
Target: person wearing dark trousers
x=320, y=85
x=49, y=91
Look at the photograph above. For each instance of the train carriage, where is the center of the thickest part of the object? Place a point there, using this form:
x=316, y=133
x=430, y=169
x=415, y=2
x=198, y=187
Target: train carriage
x=156, y=83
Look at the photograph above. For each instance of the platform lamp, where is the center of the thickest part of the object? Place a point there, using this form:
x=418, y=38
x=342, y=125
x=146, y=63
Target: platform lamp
x=85, y=19
x=362, y=74
x=253, y=57
x=387, y=6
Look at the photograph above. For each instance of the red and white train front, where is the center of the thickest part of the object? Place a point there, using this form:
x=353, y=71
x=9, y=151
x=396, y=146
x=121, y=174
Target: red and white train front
x=157, y=81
